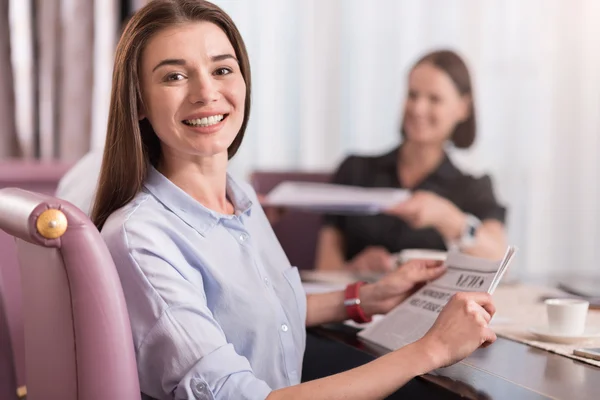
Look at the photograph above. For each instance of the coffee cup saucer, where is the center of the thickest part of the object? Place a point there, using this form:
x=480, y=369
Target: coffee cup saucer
x=543, y=333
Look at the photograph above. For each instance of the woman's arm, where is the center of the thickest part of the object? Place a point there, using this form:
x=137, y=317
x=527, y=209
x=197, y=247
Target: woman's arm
x=375, y=298
x=490, y=237
x=375, y=380
x=329, y=307
x=330, y=249
x=427, y=209
x=460, y=328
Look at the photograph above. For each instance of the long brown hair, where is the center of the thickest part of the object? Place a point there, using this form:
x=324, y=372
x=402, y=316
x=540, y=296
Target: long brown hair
x=130, y=143
x=453, y=65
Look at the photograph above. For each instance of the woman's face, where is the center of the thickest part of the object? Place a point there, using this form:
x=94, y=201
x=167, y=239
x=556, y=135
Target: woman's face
x=434, y=106
x=193, y=90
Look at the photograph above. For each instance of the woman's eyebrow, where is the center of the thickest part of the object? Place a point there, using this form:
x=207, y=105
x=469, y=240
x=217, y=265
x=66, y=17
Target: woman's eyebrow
x=169, y=61
x=182, y=62
x=222, y=57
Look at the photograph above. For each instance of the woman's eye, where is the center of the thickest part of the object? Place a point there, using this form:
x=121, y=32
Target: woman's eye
x=223, y=71
x=175, y=77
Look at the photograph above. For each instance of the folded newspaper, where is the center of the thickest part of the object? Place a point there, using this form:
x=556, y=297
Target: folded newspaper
x=333, y=198
x=410, y=320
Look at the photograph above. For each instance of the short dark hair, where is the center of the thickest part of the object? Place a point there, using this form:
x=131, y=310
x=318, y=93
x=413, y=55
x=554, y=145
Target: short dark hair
x=453, y=65
x=132, y=144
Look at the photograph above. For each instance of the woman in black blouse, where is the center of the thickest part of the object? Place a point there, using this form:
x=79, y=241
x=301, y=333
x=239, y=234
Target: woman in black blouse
x=448, y=207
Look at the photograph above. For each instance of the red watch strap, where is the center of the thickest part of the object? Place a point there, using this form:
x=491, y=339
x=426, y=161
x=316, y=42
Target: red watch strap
x=352, y=303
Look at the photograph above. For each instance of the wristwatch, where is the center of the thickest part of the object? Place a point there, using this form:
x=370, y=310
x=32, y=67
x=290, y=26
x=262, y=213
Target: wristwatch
x=352, y=303
x=467, y=238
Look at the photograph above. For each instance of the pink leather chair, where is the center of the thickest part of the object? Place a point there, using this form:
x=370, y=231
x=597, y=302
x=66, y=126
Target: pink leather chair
x=78, y=342
x=296, y=230
x=8, y=387
x=40, y=177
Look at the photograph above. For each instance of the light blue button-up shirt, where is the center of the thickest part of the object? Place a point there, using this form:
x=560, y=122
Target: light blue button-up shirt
x=216, y=310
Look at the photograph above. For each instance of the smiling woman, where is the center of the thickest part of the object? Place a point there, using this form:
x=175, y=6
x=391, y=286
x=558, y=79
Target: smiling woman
x=216, y=309
x=193, y=95
x=448, y=208
x=175, y=75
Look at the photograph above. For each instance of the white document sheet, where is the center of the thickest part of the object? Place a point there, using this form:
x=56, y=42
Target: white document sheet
x=334, y=199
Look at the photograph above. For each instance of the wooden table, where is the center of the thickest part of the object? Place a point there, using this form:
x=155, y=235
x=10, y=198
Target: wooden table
x=506, y=370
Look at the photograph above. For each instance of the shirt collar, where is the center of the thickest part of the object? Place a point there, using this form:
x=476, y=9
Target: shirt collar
x=188, y=209
x=445, y=170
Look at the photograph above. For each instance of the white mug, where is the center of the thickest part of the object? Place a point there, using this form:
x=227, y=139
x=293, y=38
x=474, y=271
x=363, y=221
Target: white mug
x=566, y=316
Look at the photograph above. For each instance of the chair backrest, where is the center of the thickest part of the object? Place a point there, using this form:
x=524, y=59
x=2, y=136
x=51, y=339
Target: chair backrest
x=41, y=177
x=78, y=343
x=8, y=387
x=36, y=176
x=296, y=230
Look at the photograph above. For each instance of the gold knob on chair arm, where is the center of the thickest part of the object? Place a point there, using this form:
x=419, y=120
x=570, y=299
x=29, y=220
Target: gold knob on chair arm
x=22, y=392
x=51, y=224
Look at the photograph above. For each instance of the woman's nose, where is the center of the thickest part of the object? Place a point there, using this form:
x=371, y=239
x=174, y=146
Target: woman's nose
x=203, y=89
x=417, y=106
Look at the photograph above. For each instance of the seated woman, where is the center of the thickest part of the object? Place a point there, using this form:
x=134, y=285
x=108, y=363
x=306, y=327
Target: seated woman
x=447, y=208
x=216, y=310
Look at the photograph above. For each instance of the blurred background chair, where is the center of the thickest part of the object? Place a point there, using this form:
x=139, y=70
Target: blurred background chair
x=8, y=387
x=78, y=342
x=39, y=177
x=296, y=230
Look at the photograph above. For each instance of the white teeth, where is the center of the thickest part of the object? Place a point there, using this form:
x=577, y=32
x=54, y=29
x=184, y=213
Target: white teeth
x=206, y=121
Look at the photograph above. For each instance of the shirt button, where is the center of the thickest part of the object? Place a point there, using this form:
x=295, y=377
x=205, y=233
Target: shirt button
x=267, y=281
x=284, y=327
x=201, y=391
x=243, y=237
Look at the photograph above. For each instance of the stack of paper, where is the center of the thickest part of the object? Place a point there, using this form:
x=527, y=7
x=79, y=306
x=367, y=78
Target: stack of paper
x=334, y=199
x=420, y=254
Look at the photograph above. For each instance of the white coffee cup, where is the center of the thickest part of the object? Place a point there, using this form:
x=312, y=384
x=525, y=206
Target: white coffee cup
x=566, y=316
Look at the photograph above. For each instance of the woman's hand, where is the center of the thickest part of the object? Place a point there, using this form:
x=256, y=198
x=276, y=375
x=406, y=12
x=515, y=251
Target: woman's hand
x=372, y=259
x=460, y=329
x=395, y=287
x=428, y=210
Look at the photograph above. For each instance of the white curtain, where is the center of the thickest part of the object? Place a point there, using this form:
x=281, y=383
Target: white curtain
x=61, y=56
x=330, y=77
x=106, y=35
x=20, y=37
